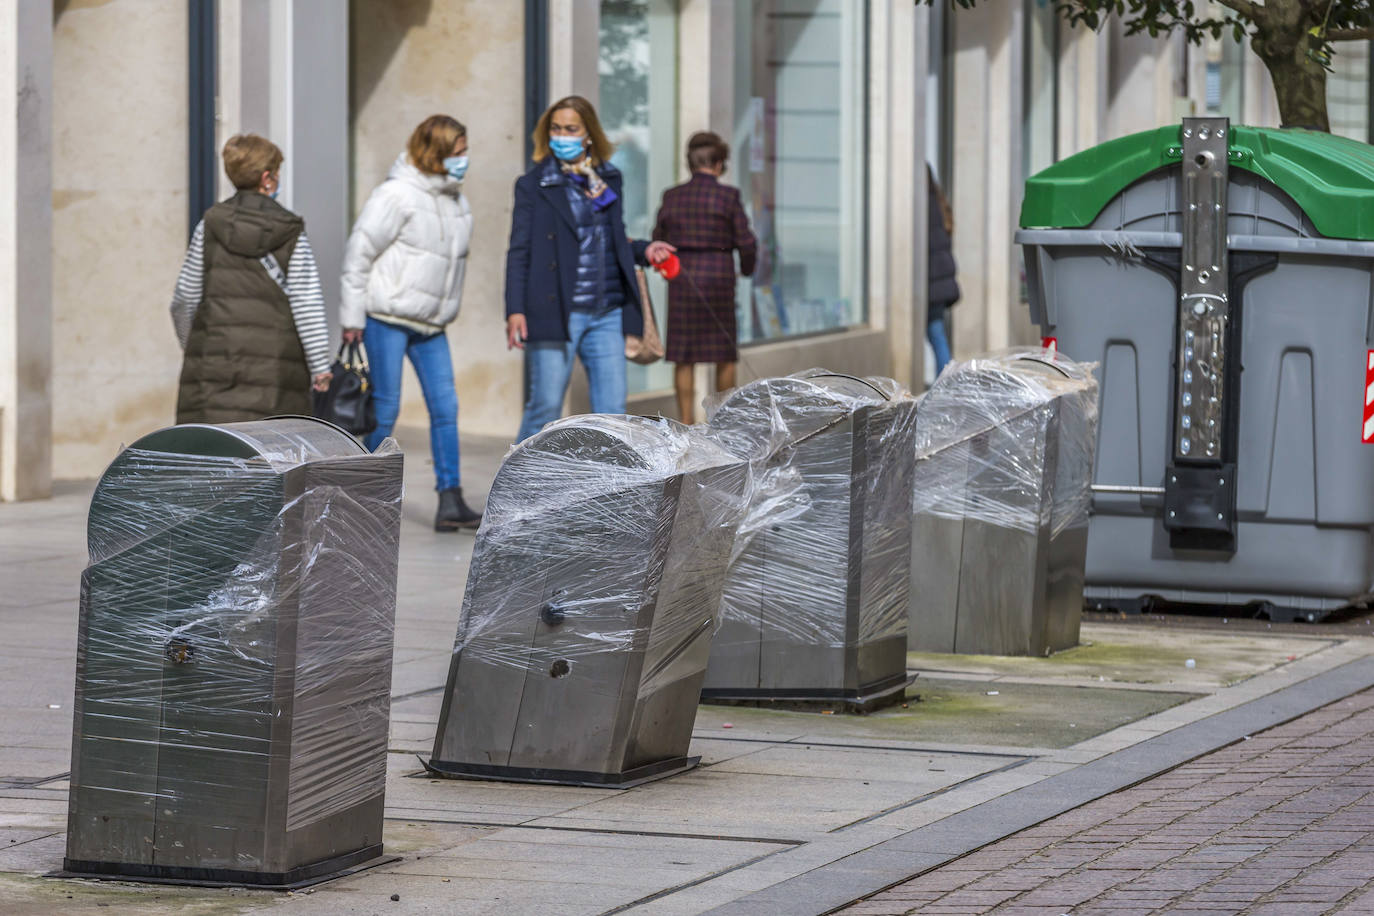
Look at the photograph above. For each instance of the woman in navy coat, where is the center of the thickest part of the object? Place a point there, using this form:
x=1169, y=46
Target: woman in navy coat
x=570, y=281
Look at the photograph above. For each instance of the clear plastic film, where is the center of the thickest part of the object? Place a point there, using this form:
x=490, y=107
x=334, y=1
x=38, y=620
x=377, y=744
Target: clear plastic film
x=1008, y=439
x=234, y=655
x=827, y=567
x=599, y=560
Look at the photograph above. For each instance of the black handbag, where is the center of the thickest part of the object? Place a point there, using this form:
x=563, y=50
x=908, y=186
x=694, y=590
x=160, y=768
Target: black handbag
x=348, y=400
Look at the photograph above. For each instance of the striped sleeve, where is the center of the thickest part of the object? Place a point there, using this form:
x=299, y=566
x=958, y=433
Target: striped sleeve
x=307, y=306
x=190, y=288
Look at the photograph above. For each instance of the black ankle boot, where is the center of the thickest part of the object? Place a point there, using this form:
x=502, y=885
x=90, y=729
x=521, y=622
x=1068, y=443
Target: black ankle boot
x=454, y=513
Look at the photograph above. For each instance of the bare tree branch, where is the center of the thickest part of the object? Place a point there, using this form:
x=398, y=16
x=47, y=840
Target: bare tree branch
x=1247, y=8
x=1365, y=34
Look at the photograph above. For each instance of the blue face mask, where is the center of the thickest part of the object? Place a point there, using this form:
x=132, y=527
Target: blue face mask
x=569, y=149
x=456, y=166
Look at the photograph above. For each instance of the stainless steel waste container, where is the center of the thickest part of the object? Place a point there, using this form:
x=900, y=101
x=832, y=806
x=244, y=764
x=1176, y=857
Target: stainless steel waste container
x=1004, y=458
x=815, y=606
x=234, y=656
x=591, y=601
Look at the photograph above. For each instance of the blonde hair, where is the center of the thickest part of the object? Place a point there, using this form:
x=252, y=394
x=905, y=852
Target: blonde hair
x=247, y=156
x=433, y=141
x=600, y=149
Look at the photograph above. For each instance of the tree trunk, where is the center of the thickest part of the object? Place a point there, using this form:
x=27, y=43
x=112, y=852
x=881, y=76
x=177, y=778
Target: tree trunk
x=1301, y=90
x=1287, y=49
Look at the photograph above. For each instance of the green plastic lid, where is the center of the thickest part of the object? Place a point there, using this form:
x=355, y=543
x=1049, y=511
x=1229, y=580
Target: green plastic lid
x=1331, y=178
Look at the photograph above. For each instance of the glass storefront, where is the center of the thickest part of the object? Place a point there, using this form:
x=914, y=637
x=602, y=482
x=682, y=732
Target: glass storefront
x=1347, y=91
x=1225, y=60
x=799, y=157
x=798, y=152
x=638, y=74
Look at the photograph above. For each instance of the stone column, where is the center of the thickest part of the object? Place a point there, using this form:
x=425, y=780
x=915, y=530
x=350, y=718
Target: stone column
x=899, y=46
x=25, y=250
x=706, y=50
x=987, y=186
x=574, y=49
x=1140, y=81
x=283, y=73
x=1082, y=99
x=706, y=100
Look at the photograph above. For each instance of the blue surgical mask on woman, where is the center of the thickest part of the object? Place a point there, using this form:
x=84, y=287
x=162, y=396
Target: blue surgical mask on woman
x=568, y=149
x=456, y=166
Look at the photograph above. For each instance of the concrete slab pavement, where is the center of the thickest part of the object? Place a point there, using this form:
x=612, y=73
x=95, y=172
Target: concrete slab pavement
x=780, y=795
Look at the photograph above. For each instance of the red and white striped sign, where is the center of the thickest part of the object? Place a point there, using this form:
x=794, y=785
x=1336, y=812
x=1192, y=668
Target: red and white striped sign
x=1368, y=430
x=1052, y=344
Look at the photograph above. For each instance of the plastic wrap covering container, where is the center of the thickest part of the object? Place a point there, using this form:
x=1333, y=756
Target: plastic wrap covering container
x=592, y=598
x=234, y=656
x=815, y=605
x=1281, y=517
x=1004, y=459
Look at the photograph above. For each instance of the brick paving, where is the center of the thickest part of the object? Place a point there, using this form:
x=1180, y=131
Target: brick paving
x=1277, y=825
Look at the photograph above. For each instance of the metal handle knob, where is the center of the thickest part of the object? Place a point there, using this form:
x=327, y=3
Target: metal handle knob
x=553, y=613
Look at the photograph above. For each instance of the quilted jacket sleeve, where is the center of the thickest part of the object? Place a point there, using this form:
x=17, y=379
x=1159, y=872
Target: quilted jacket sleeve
x=378, y=226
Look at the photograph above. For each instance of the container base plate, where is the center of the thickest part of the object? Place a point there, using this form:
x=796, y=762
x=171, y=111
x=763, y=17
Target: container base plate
x=296, y=878
x=868, y=698
x=661, y=769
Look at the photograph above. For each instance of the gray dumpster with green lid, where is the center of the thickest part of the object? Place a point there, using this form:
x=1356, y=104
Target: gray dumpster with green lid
x=234, y=656
x=1223, y=280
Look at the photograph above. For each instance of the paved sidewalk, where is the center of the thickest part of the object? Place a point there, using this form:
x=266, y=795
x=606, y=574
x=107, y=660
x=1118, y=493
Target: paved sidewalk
x=789, y=812
x=1276, y=824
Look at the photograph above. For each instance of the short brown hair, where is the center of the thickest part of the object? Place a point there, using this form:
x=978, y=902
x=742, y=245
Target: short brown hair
x=600, y=150
x=432, y=142
x=247, y=156
x=706, y=150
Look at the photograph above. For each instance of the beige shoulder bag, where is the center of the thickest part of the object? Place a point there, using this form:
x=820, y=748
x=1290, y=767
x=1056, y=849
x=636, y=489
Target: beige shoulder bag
x=649, y=348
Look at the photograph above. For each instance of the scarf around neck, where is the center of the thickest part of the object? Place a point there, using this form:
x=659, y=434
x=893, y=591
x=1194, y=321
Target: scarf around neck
x=584, y=174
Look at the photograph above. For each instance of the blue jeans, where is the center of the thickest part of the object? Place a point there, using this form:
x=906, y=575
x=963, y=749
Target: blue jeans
x=937, y=332
x=387, y=347
x=598, y=339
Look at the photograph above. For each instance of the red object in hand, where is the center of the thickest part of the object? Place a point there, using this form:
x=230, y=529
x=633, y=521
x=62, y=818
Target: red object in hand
x=669, y=267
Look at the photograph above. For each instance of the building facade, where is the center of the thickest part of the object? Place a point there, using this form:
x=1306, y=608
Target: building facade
x=832, y=109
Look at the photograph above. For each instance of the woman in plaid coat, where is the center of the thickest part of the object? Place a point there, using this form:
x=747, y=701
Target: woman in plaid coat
x=705, y=220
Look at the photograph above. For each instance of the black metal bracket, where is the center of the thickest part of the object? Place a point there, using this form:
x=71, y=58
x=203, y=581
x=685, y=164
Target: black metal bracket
x=1200, y=507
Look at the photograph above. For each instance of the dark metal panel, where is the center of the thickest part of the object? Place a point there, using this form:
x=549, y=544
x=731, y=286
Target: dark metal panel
x=536, y=67
x=201, y=121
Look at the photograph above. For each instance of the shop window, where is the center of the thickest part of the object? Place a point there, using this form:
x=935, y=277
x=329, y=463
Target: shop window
x=1224, y=78
x=1347, y=91
x=800, y=160
x=638, y=109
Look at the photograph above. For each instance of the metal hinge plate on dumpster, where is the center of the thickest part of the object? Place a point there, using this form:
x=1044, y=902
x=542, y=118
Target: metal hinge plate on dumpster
x=1204, y=308
x=1200, y=485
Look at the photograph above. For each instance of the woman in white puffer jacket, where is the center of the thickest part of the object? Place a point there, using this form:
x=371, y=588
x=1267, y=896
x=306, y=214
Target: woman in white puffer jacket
x=402, y=286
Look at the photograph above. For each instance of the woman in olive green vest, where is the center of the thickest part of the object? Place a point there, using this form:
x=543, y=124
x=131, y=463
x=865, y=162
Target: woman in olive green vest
x=248, y=307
